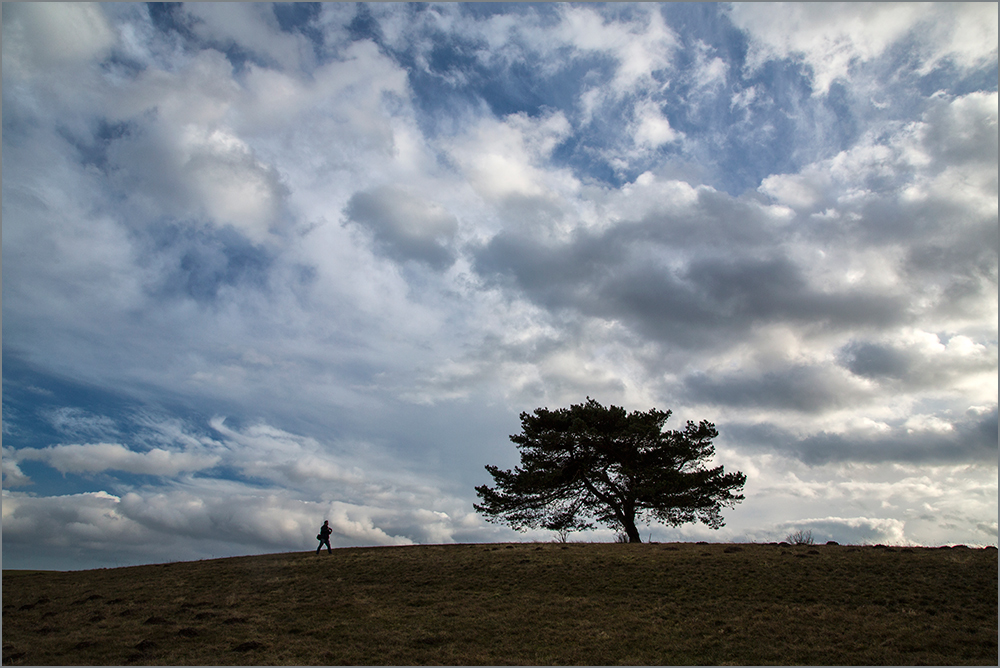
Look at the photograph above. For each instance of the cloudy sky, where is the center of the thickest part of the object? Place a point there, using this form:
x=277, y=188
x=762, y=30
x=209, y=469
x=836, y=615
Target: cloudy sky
x=265, y=265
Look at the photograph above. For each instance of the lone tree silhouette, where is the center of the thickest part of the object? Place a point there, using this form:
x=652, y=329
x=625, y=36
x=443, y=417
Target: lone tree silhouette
x=588, y=462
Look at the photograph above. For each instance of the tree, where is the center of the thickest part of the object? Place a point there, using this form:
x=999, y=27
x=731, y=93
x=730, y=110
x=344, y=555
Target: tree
x=588, y=462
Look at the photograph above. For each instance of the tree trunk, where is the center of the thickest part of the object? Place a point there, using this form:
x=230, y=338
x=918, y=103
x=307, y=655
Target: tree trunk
x=631, y=531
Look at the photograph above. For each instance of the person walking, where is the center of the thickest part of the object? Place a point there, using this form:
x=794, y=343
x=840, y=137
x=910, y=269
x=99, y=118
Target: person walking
x=324, y=537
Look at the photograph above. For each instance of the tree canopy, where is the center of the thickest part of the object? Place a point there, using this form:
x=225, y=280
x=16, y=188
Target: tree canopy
x=590, y=463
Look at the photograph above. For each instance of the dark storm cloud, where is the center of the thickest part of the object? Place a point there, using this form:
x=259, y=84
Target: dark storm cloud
x=718, y=289
x=960, y=258
x=969, y=256
x=914, y=366
x=775, y=289
x=404, y=226
x=923, y=226
x=872, y=360
x=804, y=389
x=970, y=438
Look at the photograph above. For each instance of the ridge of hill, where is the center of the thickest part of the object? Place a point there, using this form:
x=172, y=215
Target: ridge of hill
x=519, y=603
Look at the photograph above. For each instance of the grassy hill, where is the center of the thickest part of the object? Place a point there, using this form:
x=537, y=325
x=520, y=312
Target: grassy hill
x=522, y=603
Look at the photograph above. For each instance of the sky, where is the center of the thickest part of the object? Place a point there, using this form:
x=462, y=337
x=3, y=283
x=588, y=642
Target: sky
x=266, y=265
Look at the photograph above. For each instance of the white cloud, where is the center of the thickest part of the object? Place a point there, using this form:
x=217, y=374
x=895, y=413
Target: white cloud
x=98, y=457
x=183, y=157
x=12, y=474
x=898, y=504
x=506, y=162
x=327, y=115
x=928, y=423
x=905, y=198
x=214, y=517
x=87, y=520
x=712, y=72
x=833, y=38
x=77, y=422
x=254, y=27
x=262, y=451
x=965, y=34
x=197, y=92
x=744, y=98
x=53, y=35
x=652, y=128
x=236, y=189
x=959, y=131
x=846, y=530
x=305, y=482
x=642, y=47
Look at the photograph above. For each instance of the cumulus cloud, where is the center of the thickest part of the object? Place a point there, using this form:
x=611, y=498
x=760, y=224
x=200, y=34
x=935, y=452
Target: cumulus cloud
x=182, y=158
x=920, y=361
x=891, y=502
x=652, y=128
x=797, y=388
x=845, y=530
x=832, y=41
x=642, y=47
x=904, y=168
x=12, y=474
x=504, y=160
x=88, y=519
x=970, y=436
x=54, y=35
x=639, y=43
x=264, y=452
x=636, y=272
x=404, y=226
x=303, y=484
x=233, y=513
x=196, y=522
x=97, y=457
x=251, y=27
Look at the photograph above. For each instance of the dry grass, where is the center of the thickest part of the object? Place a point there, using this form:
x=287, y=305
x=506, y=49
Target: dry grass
x=523, y=603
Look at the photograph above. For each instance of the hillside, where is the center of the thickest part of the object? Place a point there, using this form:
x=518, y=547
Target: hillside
x=522, y=603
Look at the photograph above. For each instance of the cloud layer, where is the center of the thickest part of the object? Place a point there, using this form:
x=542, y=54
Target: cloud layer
x=267, y=265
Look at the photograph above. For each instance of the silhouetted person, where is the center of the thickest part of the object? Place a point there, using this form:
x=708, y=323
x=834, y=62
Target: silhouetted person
x=324, y=537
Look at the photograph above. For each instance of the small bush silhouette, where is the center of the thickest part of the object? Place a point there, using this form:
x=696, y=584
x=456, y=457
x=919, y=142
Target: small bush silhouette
x=800, y=538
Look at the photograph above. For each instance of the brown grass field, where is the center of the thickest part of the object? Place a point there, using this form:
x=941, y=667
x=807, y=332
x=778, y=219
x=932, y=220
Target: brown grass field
x=521, y=603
